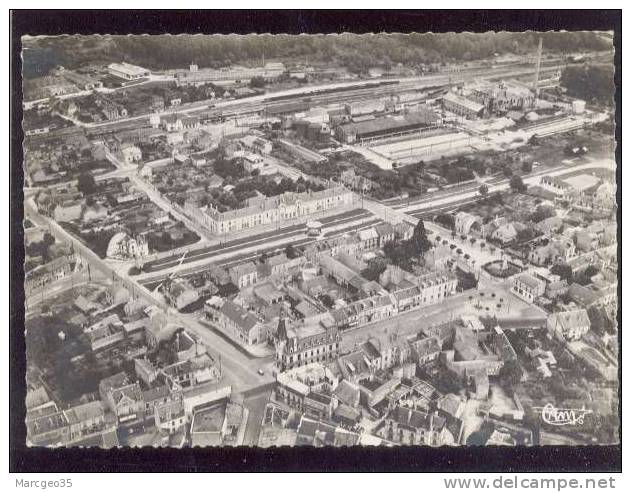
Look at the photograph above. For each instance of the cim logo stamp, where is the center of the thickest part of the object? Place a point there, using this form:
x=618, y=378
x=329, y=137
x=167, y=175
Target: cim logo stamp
x=562, y=416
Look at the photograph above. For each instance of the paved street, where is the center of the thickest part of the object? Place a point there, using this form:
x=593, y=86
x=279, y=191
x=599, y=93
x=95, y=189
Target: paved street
x=169, y=258
x=503, y=185
x=426, y=208
x=252, y=246
x=452, y=308
x=471, y=421
x=239, y=369
x=481, y=255
x=255, y=402
x=76, y=279
x=157, y=198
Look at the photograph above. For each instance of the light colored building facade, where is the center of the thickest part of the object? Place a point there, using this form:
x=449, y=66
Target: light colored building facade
x=273, y=210
x=127, y=71
x=198, y=77
x=244, y=275
x=317, y=339
x=240, y=324
x=569, y=325
x=528, y=287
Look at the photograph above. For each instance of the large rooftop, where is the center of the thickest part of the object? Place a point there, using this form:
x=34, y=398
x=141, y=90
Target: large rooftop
x=424, y=116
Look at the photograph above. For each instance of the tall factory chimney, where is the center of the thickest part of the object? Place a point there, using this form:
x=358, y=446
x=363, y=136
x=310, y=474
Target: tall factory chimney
x=537, y=68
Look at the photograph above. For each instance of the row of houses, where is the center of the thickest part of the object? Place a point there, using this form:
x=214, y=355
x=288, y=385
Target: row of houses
x=175, y=122
x=324, y=394
x=273, y=210
x=122, y=403
x=83, y=424
x=277, y=266
x=195, y=76
x=37, y=279
x=166, y=396
x=241, y=324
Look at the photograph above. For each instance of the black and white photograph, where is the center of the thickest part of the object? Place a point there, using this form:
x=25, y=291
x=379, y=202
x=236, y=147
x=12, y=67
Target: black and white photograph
x=320, y=240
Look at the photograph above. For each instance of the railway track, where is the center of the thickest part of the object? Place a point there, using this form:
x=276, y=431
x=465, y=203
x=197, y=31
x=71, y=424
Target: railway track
x=333, y=95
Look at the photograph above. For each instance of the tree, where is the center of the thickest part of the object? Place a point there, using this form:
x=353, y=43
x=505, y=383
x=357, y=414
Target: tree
x=508, y=172
x=510, y=374
x=446, y=220
x=526, y=167
x=563, y=271
x=400, y=254
x=419, y=238
x=327, y=300
x=517, y=184
x=596, y=320
x=86, y=183
x=524, y=235
x=424, y=51
x=448, y=381
x=585, y=277
x=257, y=82
x=483, y=190
x=482, y=435
x=291, y=252
x=374, y=269
x=466, y=280
x=594, y=83
x=542, y=212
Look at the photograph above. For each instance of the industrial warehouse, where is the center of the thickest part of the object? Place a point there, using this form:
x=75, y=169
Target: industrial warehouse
x=394, y=126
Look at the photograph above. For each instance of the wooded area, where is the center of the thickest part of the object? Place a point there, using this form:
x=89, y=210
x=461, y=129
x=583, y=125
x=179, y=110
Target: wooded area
x=356, y=52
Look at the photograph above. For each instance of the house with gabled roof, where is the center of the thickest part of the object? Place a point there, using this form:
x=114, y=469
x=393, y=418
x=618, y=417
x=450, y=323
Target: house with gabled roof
x=239, y=323
x=385, y=233
x=347, y=393
x=244, y=274
x=528, y=287
x=569, y=325
x=170, y=416
x=122, y=397
x=451, y=404
x=413, y=427
x=425, y=350
x=86, y=419
x=171, y=123
x=159, y=393
x=368, y=238
x=507, y=232
x=49, y=429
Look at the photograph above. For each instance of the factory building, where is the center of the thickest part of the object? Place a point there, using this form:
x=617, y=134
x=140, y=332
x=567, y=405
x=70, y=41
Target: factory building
x=127, y=71
x=503, y=97
x=462, y=106
x=198, y=77
x=366, y=131
x=286, y=108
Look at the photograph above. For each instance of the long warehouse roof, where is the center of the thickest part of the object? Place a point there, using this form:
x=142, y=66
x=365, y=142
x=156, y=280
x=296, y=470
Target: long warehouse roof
x=423, y=117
